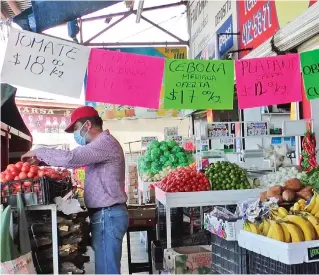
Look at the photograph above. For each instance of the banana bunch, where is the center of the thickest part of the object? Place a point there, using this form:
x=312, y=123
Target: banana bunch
x=287, y=227
x=313, y=206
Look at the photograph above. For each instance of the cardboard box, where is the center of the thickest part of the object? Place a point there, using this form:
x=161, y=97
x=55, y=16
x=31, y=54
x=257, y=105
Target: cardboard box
x=132, y=175
x=227, y=230
x=188, y=260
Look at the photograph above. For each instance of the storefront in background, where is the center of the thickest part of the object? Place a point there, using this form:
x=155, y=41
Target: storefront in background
x=206, y=19
x=47, y=122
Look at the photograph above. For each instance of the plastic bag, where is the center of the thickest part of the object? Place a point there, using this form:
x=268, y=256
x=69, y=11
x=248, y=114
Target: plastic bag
x=11, y=260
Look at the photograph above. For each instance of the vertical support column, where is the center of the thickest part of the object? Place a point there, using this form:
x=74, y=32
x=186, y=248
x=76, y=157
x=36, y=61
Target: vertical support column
x=55, y=239
x=168, y=227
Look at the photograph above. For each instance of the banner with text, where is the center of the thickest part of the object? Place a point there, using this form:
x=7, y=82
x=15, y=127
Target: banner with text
x=310, y=72
x=199, y=84
x=44, y=63
x=123, y=78
x=45, y=120
x=268, y=81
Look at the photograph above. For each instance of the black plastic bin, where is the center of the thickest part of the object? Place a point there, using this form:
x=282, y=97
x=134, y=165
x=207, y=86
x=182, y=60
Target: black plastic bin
x=228, y=257
x=34, y=191
x=259, y=264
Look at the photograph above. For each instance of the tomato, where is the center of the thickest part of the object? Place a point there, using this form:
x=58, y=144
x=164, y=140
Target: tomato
x=16, y=178
x=14, y=169
x=9, y=177
x=19, y=165
x=15, y=173
x=3, y=177
x=23, y=175
x=41, y=173
x=30, y=175
x=27, y=184
x=25, y=168
x=10, y=166
x=34, y=169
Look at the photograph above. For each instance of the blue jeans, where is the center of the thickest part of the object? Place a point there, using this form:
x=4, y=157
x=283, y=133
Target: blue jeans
x=108, y=228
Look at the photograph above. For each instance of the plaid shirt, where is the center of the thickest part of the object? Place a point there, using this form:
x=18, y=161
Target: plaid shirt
x=105, y=168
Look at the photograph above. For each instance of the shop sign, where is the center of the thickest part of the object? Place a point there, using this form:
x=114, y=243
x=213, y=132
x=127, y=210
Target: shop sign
x=113, y=111
x=146, y=141
x=43, y=120
x=170, y=131
x=218, y=130
x=256, y=129
x=225, y=42
x=257, y=21
x=44, y=63
x=201, y=24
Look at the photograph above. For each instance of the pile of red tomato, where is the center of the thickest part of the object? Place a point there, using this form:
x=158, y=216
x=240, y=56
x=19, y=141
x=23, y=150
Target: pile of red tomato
x=23, y=171
x=185, y=180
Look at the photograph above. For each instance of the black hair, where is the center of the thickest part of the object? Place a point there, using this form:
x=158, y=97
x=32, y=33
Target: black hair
x=96, y=121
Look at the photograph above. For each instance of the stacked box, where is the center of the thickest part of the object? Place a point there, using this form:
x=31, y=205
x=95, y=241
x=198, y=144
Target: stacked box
x=132, y=184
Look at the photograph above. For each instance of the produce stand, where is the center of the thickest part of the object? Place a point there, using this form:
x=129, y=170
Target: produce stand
x=199, y=199
x=53, y=210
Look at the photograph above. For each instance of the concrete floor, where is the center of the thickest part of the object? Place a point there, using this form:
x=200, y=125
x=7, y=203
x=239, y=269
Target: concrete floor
x=138, y=252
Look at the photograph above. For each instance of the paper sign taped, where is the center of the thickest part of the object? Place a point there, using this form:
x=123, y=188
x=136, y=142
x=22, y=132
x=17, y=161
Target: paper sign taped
x=310, y=72
x=268, y=81
x=44, y=63
x=199, y=84
x=124, y=78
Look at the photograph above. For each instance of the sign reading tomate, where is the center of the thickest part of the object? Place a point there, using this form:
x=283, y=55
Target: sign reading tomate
x=257, y=21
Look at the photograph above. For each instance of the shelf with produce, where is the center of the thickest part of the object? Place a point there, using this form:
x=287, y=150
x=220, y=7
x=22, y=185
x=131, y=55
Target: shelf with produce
x=199, y=199
x=205, y=198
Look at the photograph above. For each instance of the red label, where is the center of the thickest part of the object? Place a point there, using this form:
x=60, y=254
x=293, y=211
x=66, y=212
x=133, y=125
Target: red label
x=257, y=21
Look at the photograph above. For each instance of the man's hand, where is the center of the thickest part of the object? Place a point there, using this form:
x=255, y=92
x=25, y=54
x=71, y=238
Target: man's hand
x=29, y=157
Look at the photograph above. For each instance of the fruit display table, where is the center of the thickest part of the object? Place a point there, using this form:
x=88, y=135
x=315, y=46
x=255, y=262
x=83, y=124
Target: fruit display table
x=199, y=199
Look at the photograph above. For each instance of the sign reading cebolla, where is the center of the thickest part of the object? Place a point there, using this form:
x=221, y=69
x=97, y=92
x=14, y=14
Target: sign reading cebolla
x=44, y=63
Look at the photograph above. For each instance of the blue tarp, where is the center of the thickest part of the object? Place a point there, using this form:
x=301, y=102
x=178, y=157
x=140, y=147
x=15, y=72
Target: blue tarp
x=47, y=14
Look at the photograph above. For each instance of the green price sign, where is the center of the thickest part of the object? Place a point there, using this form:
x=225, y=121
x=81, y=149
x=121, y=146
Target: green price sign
x=310, y=72
x=199, y=84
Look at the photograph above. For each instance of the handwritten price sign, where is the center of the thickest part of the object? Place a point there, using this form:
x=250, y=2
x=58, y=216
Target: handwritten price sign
x=310, y=71
x=199, y=84
x=124, y=78
x=44, y=63
x=268, y=81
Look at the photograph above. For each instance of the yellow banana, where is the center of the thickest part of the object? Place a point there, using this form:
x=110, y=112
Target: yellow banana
x=265, y=227
x=253, y=228
x=317, y=215
x=246, y=227
x=306, y=227
x=286, y=232
x=295, y=232
x=312, y=203
x=276, y=232
x=270, y=231
x=260, y=227
x=302, y=201
x=314, y=222
x=282, y=212
x=296, y=207
x=315, y=209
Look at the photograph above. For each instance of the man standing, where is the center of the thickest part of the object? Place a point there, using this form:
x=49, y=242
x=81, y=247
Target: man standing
x=104, y=192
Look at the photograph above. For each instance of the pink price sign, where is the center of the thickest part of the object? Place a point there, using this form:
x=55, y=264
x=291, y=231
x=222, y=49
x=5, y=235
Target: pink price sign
x=268, y=81
x=124, y=78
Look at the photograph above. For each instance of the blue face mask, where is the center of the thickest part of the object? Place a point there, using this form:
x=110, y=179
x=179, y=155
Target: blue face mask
x=78, y=137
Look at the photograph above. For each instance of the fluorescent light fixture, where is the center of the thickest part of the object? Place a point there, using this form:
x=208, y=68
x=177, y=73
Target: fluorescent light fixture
x=139, y=11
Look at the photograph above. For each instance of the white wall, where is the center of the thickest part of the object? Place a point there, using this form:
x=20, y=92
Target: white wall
x=133, y=130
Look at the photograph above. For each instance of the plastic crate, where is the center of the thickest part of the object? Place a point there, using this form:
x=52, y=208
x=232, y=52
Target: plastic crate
x=259, y=264
x=34, y=191
x=228, y=257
